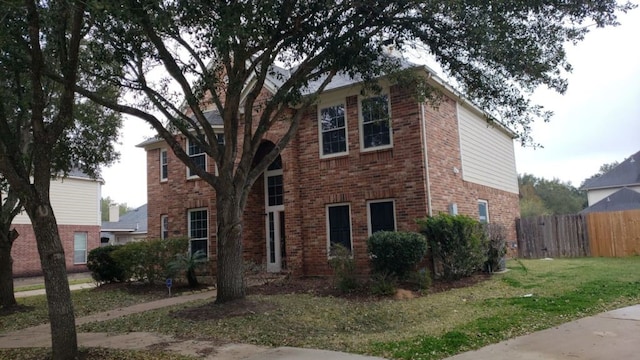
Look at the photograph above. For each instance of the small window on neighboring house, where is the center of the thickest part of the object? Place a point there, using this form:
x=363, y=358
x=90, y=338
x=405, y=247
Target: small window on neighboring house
x=375, y=122
x=198, y=231
x=164, y=165
x=198, y=156
x=339, y=225
x=333, y=130
x=80, y=248
x=220, y=138
x=164, y=226
x=483, y=211
x=381, y=216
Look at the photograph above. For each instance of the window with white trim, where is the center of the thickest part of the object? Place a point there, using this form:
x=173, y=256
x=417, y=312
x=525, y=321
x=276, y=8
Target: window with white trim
x=164, y=226
x=483, y=211
x=198, y=156
x=333, y=130
x=198, y=223
x=381, y=216
x=339, y=225
x=375, y=122
x=80, y=248
x=164, y=165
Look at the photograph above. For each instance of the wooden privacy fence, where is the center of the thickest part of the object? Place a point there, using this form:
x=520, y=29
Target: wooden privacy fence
x=609, y=234
x=614, y=234
x=552, y=236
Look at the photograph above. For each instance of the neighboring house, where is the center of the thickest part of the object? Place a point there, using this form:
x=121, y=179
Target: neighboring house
x=131, y=226
x=357, y=165
x=616, y=190
x=76, y=204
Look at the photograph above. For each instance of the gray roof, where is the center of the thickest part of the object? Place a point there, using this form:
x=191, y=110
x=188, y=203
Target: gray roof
x=621, y=200
x=212, y=116
x=133, y=221
x=627, y=173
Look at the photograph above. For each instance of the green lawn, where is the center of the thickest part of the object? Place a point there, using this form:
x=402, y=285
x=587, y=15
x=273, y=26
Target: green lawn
x=85, y=302
x=532, y=295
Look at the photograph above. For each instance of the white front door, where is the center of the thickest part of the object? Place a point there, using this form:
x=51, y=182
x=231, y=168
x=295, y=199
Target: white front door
x=274, y=206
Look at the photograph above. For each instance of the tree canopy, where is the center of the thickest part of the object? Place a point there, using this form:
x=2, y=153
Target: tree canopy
x=539, y=196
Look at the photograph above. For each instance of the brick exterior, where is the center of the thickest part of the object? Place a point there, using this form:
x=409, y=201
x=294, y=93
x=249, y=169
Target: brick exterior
x=26, y=261
x=311, y=183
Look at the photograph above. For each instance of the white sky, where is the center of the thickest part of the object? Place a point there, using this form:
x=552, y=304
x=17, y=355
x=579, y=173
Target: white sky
x=597, y=121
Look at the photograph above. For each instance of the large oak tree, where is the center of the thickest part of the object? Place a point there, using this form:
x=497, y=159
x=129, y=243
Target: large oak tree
x=46, y=131
x=177, y=53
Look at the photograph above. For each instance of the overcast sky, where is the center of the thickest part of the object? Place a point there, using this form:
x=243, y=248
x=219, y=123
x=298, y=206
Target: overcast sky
x=597, y=121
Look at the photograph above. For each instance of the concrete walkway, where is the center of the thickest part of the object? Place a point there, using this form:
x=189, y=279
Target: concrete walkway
x=610, y=335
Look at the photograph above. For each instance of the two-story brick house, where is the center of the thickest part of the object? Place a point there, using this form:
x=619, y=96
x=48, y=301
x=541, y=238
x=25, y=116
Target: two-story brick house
x=358, y=164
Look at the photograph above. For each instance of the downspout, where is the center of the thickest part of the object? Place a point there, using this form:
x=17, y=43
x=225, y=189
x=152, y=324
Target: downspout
x=423, y=125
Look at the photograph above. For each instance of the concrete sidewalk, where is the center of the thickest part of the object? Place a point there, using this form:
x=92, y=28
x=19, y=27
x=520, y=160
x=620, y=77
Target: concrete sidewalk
x=610, y=335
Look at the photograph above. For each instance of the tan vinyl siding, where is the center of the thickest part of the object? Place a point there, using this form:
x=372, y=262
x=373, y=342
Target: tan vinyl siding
x=487, y=152
x=74, y=202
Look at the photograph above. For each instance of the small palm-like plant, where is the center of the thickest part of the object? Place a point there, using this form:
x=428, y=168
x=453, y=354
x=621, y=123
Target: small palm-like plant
x=188, y=263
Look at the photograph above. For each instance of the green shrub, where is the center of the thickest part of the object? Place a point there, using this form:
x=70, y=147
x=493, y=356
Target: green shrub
x=458, y=244
x=497, y=247
x=395, y=253
x=383, y=284
x=344, y=268
x=103, y=267
x=148, y=260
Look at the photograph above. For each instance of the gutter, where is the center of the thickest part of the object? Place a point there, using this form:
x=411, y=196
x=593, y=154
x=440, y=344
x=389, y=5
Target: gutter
x=423, y=125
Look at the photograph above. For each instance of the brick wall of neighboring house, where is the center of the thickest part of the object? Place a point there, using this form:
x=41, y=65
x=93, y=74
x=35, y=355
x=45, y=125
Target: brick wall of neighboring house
x=25, y=252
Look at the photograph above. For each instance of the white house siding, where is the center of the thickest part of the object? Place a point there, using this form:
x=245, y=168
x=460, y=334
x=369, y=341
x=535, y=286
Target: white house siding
x=596, y=195
x=75, y=201
x=487, y=152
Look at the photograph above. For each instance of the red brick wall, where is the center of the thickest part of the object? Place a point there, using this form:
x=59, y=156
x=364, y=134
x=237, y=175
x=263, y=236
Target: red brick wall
x=26, y=261
x=312, y=183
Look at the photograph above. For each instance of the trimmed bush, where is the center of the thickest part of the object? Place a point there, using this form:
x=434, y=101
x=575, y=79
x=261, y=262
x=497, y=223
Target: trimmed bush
x=395, y=253
x=103, y=267
x=148, y=260
x=458, y=245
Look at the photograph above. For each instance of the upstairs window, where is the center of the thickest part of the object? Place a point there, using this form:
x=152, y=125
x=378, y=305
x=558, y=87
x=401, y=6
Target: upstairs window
x=198, y=156
x=333, y=130
x=164, y=165
x=375, y=122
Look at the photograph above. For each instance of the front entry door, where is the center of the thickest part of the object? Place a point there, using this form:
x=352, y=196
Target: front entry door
x=274, y=206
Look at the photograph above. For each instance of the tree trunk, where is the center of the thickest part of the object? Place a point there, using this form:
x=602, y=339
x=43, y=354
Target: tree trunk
x=7, y=298
x=64, y=342
x=230, y=274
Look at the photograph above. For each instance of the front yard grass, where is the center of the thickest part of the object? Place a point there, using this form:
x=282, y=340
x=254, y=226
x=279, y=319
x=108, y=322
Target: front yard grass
x=33, y=310
x=533, y=295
